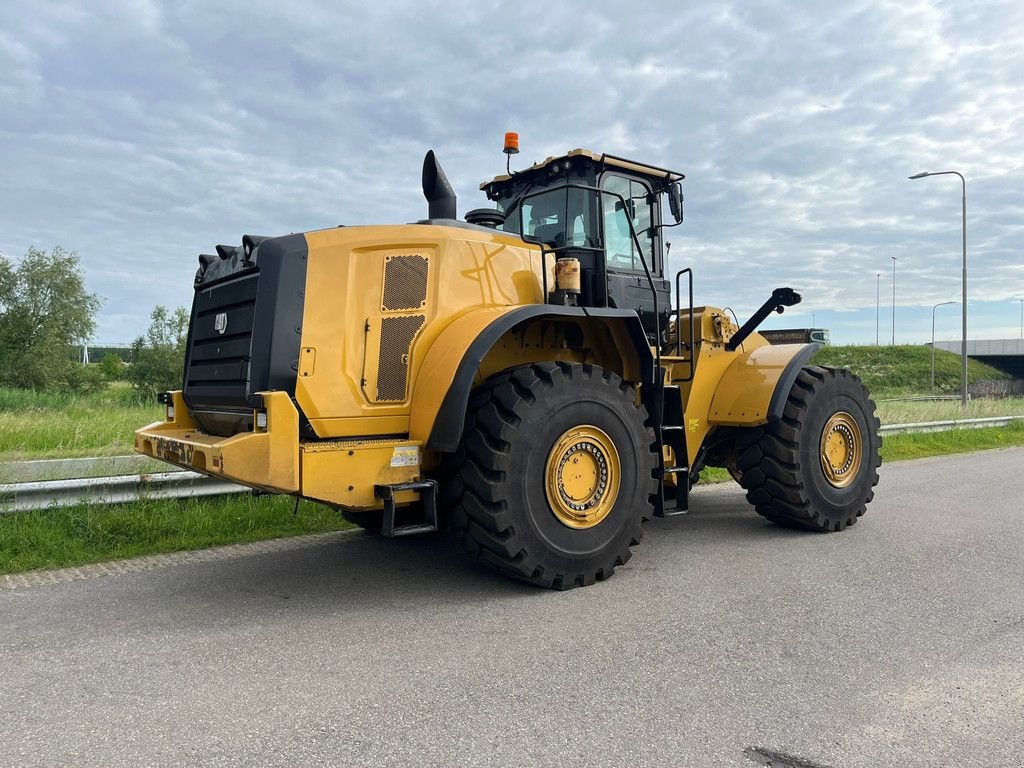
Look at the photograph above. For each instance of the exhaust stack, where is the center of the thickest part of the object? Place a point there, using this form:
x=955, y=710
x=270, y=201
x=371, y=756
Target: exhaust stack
x=438, y=191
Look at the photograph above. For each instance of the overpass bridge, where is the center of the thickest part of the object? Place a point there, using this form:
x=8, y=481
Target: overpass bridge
x=1004, y=354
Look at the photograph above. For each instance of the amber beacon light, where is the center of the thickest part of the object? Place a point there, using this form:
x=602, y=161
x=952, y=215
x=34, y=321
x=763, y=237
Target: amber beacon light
x=511, y=143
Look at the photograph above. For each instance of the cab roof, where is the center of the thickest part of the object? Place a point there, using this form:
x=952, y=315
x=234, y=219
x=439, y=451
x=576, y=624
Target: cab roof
x=601, y=158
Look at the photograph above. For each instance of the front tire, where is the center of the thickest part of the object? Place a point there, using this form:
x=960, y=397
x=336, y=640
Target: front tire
x=817, y=466
x=554, y=475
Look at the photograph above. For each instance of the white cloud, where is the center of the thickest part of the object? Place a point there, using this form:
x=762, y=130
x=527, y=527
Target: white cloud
x=142, y=133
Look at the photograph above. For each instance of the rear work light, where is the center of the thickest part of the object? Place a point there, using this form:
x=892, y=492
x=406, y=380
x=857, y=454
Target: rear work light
x=168, y=400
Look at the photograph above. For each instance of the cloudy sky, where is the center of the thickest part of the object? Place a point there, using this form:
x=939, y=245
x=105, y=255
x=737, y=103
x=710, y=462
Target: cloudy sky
x=140, y=134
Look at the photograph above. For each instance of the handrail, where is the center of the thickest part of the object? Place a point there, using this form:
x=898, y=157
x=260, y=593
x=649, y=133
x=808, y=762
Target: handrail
x=693, y=333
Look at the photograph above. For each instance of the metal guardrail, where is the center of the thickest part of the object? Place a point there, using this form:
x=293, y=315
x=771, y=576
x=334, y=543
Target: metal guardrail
x=73, y=469
x=949, y=425
x=45, y=494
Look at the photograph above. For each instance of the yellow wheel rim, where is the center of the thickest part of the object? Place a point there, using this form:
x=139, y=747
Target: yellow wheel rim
x=841, y=449
x=582, y=477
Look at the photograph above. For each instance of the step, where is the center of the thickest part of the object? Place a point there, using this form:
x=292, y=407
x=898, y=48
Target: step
x=427, y=490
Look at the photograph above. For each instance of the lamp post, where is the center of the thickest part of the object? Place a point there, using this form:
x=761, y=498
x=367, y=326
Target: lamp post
x=963, y=336
x=1021, y=317
x=940, y=304
x=893, y=300
x=878, y=303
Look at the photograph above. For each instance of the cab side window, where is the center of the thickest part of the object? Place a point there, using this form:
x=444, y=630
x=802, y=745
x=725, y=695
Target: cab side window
x=558, y=218
x=620, y=249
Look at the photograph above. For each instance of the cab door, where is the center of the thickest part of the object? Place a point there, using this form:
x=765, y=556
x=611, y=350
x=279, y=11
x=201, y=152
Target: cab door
x=629, y=201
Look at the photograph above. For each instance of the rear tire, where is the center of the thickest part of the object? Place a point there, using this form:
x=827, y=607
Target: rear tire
x=817, y=466
x=554, y=475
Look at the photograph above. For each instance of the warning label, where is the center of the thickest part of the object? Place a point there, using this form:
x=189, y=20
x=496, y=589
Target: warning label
x=405, y=456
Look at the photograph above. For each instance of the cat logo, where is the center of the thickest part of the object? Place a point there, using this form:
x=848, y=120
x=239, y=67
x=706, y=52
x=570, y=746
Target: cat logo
x=220, y=322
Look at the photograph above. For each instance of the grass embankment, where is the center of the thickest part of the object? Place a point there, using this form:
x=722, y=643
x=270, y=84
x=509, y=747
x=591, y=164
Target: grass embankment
x=918, y=446
x=38, y=425
x=59, y=538
x=906, y=370
x=904, y=412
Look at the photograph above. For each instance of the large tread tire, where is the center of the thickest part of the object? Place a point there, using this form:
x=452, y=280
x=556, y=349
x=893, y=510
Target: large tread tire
x=779, y=464
x=495, y=496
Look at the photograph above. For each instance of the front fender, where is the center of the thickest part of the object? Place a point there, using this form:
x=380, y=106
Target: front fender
x=754, y=388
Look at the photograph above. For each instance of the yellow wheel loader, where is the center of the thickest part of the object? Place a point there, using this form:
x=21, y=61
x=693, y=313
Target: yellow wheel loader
x=526, y=377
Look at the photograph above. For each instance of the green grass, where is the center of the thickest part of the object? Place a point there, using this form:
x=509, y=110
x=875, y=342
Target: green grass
x=37, y=425
x=917, y=446
x=906, y=370
x=59, y=538
x=902, y=412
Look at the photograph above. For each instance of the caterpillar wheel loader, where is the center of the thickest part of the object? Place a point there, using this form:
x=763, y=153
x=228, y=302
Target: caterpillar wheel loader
x=525, y=377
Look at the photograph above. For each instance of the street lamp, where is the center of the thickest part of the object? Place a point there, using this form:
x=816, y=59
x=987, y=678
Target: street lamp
x=878, y=303
x=893, y=300
x=963, y=338
x=1021, y=317
x=940, y=304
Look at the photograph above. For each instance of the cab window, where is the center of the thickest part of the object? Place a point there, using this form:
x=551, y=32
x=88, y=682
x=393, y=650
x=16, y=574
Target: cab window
x=558, y=218
x=634, y=207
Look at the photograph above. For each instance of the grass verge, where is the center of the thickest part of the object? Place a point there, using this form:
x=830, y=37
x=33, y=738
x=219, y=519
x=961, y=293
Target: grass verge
x=59, y=538
x=38, y=425
x=918, y=446
x=908, y=412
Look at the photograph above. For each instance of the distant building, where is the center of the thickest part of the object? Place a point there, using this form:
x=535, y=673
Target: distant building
x=93, y=353
x=797, y=335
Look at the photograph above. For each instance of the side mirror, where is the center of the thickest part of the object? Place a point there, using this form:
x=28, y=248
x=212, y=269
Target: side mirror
x=675, y=202
x=629, y=206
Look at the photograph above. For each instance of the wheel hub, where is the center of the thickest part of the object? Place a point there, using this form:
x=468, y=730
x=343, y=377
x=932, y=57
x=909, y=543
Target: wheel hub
x=582, y=477
x=841, y=449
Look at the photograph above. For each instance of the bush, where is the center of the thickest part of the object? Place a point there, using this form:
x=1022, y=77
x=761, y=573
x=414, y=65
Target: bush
x=160, y=355
x=112, y=367
x=86, y=379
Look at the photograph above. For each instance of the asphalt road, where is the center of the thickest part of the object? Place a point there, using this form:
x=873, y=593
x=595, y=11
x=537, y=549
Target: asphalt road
x=899, y=642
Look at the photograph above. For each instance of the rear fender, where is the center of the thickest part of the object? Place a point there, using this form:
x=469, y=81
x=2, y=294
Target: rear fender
x=485, y=341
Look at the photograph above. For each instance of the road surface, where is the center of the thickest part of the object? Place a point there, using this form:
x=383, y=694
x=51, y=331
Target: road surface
x=725, y=641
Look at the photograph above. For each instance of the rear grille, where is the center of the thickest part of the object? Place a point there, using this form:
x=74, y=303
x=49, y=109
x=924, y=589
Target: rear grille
x=396, y=337
x=245, y=331
x=217, y=371
x=405, y=282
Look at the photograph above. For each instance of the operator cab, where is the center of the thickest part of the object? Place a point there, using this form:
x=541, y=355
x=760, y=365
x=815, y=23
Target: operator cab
x=606, y=212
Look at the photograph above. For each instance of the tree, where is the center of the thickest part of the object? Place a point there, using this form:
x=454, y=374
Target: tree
x=45, y=312
x=159, y=356
x=112, y=367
